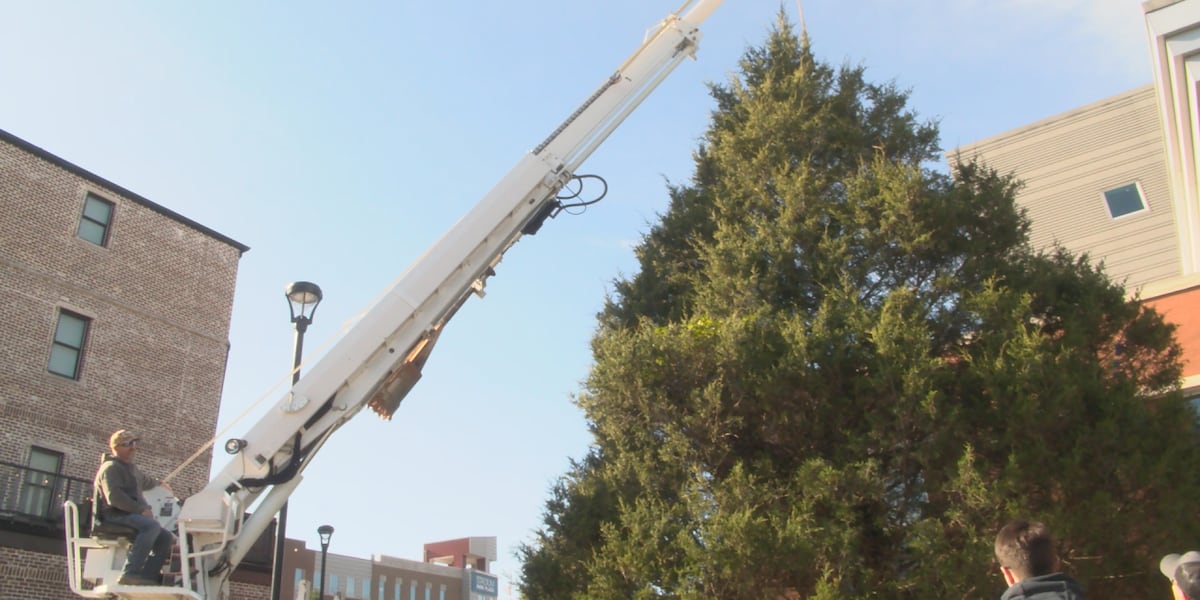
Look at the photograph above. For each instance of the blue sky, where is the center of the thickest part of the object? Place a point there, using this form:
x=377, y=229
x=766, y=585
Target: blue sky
x=339, y=140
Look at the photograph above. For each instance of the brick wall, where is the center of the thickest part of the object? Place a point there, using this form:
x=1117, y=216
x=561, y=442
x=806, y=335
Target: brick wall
x=249, y=591
x=160, y=298
x=33, y=576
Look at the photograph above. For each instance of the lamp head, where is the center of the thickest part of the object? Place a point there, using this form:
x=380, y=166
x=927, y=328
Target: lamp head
x=303, y=298
x=326, y=532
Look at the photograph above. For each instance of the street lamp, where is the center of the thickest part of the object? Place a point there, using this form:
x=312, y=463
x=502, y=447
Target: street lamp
x=326, y=532
x=303, y=298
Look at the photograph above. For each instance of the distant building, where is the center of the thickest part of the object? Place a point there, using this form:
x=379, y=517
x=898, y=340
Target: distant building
x=382, y=577
x=1117, y=179
x=115, y=313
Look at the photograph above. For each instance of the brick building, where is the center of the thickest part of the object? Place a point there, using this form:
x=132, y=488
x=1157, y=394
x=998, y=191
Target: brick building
x=115, y=313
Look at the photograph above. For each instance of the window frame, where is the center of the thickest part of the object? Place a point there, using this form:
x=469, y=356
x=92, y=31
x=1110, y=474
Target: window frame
x=41, y=493
x=1141, y=194
x=80, y=350
x=85, y=219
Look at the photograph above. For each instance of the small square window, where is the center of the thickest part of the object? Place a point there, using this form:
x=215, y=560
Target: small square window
x=66, y=352
x=1124, y=200
x=96, y=222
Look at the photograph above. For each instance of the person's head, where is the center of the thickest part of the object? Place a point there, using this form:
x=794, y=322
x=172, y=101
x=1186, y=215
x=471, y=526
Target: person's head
x=123, y=442
x=1025, y=549
x=1184, y=573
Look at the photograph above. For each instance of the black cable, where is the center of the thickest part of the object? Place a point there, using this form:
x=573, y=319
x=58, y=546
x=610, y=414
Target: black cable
x=576, y=193
x=552, y=208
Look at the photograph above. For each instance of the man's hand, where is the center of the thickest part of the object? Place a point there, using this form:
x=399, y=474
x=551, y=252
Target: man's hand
x=146, y=511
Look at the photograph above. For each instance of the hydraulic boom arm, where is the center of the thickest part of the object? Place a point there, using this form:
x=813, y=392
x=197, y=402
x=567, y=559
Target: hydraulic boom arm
x=379, y=359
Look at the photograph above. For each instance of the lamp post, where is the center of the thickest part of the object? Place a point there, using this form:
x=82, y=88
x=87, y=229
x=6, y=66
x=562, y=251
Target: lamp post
x=303, y=298
x=326, y=532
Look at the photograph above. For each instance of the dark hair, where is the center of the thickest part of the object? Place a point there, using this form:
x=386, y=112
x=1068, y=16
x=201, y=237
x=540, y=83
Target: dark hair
x=1026, y=548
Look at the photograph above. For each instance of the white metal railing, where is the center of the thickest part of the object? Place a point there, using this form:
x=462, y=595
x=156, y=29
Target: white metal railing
x=108, y=586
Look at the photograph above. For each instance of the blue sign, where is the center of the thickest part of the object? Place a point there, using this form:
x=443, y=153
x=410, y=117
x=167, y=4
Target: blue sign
x=482, y=583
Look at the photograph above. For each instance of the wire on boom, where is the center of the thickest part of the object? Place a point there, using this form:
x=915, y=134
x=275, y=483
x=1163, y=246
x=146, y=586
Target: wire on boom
x=567, y=193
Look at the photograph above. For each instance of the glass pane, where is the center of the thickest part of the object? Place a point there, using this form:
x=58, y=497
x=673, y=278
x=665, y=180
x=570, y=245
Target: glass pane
x=97, y=210
x=64, y=360
x=70, y=330
x=92, y=232
x=44, y=461
x=35, y=501
x=1124, y=200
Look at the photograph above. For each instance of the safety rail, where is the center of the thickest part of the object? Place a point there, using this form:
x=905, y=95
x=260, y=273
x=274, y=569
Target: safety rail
x=108, y=585
x=35, y=497
x=75, y=548
x=188, y=556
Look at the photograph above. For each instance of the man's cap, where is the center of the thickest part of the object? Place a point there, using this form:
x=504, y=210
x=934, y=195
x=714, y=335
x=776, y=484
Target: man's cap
x=1184, y=570
x=121, y=436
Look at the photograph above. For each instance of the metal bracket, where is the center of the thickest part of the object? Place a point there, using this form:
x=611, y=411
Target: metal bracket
x=294, y=402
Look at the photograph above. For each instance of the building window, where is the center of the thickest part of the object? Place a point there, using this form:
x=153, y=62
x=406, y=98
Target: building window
x=412, y=590
x=382, y=587
x=349, y=586
x=66, y=353
x=428, y=589
x=1125, y=200
x=366, y=589
x=399, y=586
x=40, y=486
x=96, y=222
x=299, y=578
x=442, y=592
x=333, y=584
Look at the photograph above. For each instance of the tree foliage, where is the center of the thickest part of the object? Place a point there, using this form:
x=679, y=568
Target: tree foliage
x=839, y=372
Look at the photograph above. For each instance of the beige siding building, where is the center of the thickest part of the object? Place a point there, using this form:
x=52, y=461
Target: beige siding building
x=1117, y=179
x=1069, y=161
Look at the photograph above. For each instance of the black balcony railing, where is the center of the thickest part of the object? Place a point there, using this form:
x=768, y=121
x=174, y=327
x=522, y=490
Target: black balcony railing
x=33, y=498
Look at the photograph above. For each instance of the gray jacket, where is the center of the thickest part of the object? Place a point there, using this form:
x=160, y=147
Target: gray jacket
x=119, y=487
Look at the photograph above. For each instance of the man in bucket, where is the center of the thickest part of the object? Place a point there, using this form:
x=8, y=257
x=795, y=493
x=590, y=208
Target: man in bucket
x=119, y=486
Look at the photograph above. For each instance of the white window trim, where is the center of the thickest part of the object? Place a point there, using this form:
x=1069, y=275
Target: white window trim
x=1141, y=194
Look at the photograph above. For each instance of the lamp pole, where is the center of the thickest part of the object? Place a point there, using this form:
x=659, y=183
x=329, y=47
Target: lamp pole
x=303, y=298
x=326, y=532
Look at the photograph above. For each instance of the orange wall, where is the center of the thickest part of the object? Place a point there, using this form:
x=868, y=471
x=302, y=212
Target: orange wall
x=1183, y=309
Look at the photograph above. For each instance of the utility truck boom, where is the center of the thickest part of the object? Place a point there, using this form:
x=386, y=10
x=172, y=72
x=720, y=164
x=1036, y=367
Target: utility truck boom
x=380, y=358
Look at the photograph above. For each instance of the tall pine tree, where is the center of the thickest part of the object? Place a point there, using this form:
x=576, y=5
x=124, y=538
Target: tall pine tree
x=839, y=371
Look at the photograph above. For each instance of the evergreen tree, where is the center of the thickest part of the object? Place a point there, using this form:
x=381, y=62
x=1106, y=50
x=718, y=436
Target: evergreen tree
x=839, y=372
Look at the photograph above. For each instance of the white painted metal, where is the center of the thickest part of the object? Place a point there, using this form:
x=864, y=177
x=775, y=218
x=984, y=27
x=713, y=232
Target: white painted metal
x=1174, y=43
